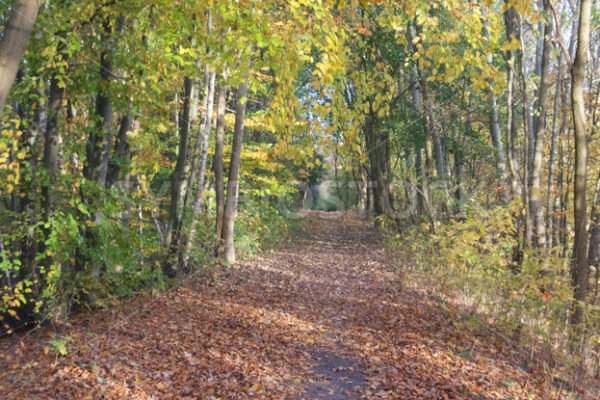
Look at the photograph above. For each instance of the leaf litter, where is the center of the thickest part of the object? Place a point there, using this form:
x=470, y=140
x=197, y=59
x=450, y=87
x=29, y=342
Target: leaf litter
x=323, y=318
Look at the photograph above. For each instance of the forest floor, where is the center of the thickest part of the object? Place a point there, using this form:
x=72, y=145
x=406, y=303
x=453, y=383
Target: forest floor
x=327, y=317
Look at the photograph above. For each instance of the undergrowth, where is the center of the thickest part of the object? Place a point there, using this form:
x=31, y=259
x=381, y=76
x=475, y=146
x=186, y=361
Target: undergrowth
x=259, y=230
x=469, y=261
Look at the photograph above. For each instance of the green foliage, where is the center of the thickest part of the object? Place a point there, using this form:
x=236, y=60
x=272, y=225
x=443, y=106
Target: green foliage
x=267, y=192
x=259, y=229
x=59, y=344
x=202, y=252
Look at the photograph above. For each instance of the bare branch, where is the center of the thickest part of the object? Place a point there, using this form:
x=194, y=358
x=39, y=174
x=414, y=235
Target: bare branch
x=559, y=36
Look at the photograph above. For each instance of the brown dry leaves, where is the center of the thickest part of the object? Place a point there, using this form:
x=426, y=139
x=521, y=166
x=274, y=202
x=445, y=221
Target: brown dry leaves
x=247, y=334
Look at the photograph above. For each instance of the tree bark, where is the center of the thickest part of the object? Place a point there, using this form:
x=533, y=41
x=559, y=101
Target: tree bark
x=228, y=252
x=512, y=22
x=187, y=179
x=429, y=171
x=497, y=143
x=195, y=159
x=178, y=179
x=527, y=156
x=376, y=156
x=99, y=141
x=539, y=54
x=411, y=195
x=535, y=191
x=205, y=136
x=218, y=164
x=427, y=129
x=364, y=191
x=459, y=194
x=550, y=226
x=15, y=37
x=417, y=107
x=580, y=267
x=594, y=231
x=51, y=137
x=419, y=177
x=121, y=151
x=511, y=126
x=563, y=176
x=203, y=157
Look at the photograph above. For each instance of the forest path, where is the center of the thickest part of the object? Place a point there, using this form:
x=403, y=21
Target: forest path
x=325, y=318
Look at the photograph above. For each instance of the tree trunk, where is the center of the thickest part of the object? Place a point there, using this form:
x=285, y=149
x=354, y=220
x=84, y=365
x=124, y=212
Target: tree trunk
x=427, y=129
x=15, y=37
x=99, y=142
x=563, y=180
x=121, y=153
x=558, y=207
x=376, y=156
x=594, y=231
x=178, y=179
x=511, y=126
x=527, y=159
x=563, y=194
x=411, y=195
x=50, y=161
x=364, y=191
x=419, y=177
x=496, y=134
x=200, y=138
x=51, y=137
x=206, y=133
x=459, y=194
x=228, y=252
x=512, y=23
x=539, y=54
x=552, y=167
x=218, y=164
x=580, y=267
x=535, y=191
x=436, y=143
x=187, y=169
x=203, y=157
x=417, y=107
x=498, y=147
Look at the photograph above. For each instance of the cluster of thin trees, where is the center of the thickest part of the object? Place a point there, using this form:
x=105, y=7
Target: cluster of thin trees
x=522, y=140
x=104, y=104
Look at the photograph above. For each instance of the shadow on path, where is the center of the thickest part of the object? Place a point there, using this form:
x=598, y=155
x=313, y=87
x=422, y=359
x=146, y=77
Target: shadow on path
x=335, y=377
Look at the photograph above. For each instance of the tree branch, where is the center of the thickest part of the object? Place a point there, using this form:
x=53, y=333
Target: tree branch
x=559, y=36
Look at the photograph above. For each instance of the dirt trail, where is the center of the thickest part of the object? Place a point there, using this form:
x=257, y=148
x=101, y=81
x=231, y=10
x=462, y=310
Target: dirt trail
x=326, y=318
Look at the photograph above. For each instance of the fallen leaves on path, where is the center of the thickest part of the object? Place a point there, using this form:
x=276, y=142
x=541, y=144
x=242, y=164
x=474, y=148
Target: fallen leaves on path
x=251, y=333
